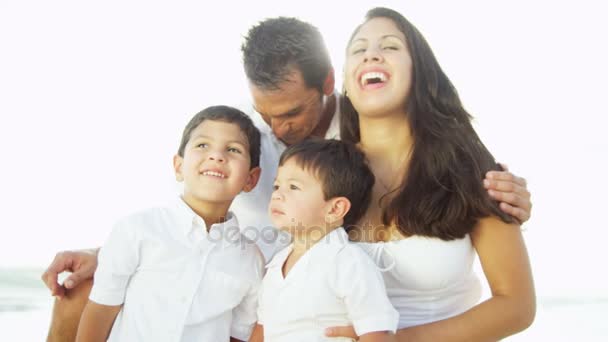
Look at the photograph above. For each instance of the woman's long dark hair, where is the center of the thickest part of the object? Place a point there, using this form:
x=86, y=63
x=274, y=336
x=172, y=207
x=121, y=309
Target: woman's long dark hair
x=442, y=194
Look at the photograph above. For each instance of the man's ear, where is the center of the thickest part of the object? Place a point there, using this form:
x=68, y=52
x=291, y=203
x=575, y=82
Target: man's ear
x=252, y=179
x=177, y=166
x=338, y=207
x=329, y=83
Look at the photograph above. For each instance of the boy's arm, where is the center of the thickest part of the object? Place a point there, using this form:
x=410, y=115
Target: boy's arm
x=258, y=334
x=378, y=336
x=96, y=322
x=366, y=300
x=244, y=315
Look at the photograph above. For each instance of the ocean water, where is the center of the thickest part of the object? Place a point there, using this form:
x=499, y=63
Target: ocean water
x=25, y=312
x=25, y=306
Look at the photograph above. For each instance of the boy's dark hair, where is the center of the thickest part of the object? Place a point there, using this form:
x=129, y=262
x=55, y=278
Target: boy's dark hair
x=342, y=170
x=274, y=47
x=229, y=115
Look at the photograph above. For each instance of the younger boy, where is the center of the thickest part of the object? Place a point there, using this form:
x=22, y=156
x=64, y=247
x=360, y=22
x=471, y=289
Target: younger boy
x=322, y=280
x=184, y=272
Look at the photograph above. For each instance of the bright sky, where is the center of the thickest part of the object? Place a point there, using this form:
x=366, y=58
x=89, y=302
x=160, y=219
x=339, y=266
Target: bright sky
x=94, y=95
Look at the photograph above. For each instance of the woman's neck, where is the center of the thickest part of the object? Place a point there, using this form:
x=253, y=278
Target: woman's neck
x=387, y=139
x=387, y=143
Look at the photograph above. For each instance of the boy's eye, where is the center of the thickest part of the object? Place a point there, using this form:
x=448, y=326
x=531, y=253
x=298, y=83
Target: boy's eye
x=293, y=187
x=275, y=187
x=235, y=150
x=358, y=50
x=202, y=145
x=390, y=47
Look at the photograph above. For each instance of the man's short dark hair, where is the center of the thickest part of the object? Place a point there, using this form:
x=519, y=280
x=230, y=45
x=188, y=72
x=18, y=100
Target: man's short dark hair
x=342, y=170
x=229, y=115
x=276, y=47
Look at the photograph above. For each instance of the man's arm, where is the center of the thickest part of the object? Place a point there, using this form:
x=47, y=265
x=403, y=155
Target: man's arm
x=511, y=191
x=81, y=263
x=96, y=322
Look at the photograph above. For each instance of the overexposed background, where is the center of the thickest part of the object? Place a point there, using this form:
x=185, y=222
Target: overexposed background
x=94, y=95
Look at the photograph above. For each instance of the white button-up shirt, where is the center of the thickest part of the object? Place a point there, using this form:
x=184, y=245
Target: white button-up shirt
x=335, y=283
x=252, y=208
x=177, y=281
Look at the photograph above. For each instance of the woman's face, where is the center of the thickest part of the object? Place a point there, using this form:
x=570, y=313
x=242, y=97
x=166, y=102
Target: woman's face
x=378, y=69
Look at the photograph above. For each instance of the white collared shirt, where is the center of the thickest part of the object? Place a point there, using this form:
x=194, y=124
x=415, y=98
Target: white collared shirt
x=177, y=281
x=335, y=283
x=252, y=208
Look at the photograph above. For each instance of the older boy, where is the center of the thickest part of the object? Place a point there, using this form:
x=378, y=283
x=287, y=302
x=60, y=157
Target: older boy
x=193, y=248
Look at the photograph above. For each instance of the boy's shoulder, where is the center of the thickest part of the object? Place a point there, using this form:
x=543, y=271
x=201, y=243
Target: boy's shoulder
x=157, y=219
x=351, y=254
x=148, y=215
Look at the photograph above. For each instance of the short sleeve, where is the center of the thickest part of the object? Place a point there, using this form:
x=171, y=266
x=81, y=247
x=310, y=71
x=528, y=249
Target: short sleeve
x=260, y=309
x=359, y=282
x=245, y=315
x=117, y=261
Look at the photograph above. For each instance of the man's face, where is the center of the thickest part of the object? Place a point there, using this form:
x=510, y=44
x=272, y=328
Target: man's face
x=293, y=111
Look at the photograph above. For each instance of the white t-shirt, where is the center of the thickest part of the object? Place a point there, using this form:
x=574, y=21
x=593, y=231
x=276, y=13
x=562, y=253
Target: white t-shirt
x=333, y=284
x=177, y=281
x=252, y=208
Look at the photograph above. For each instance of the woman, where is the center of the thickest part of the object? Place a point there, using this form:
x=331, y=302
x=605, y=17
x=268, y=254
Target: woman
x=429, y=212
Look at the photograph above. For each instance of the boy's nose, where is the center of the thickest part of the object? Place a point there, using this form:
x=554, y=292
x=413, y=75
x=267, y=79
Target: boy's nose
x=217, y=156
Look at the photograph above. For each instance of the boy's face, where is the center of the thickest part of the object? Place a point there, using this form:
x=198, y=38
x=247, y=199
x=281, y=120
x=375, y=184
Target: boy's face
x=297, y=202
x=215, y=165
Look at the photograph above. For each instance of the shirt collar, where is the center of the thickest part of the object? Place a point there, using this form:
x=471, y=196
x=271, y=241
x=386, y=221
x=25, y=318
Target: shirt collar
x=333, y=131
x=334, y=241
x=190, y=221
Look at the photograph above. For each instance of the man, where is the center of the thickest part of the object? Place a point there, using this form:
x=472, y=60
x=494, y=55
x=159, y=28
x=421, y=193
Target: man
x=292, y=85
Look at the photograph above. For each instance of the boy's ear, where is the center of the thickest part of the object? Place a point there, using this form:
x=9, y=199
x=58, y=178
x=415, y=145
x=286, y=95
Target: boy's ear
x=252, y=179
x=329, y=83
x=177, y=166
x=338, y=208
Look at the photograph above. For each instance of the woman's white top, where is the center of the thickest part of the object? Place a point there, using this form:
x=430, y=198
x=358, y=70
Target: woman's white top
x=427, y=279
x=333, y=284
